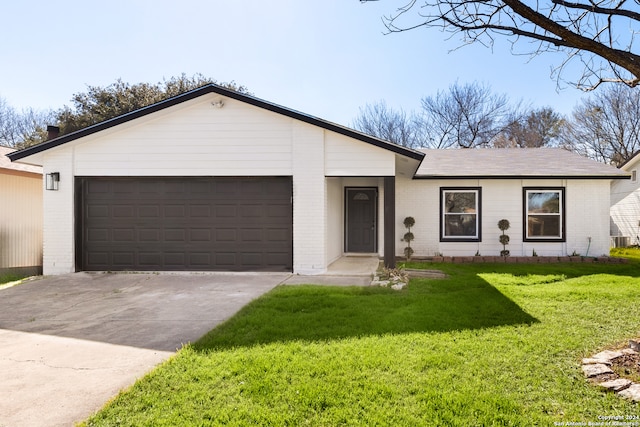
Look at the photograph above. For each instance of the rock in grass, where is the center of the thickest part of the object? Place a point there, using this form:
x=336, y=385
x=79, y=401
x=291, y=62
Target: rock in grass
x=608, y=355
x=596, y=369
x=592, y=361
x=383, y=283
x=617, y=385
x=632, y=393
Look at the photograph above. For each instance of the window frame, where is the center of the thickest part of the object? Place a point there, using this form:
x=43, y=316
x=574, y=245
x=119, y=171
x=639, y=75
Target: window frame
x=478, y=192
x=563, y=214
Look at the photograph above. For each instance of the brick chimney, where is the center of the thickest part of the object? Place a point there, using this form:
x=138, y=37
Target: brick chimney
x=52, y=132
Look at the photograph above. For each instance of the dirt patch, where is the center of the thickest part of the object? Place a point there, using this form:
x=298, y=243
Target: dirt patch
x=627, y=366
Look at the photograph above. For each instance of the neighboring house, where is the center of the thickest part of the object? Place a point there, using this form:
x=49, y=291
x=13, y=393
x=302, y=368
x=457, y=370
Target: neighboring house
x=625, y=206
x=218, y=180
x=20, y=216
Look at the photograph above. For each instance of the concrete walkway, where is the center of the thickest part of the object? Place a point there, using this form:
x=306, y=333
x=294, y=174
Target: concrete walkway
x=346, y=271
x=70, y=343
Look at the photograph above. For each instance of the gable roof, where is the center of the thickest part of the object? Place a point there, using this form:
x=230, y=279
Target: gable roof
x=631, y=162
x=5, y=163
x=504, y=163
x=213, y=88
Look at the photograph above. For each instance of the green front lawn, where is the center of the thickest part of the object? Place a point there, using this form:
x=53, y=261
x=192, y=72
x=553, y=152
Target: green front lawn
x=494, y=344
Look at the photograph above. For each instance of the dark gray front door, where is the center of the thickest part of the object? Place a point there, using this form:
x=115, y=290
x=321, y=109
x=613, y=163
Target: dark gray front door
x=361, y=221
x=185, y=223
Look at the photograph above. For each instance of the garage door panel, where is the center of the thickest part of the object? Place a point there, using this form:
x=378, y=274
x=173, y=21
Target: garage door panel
x=98, y=235
x=98, y=211
x=175, y=235
x=226, y=211
x=279, y=235
x=148, y=211
x=251, y=259
x=185, y=224
x=226, y=259
x=119, y=211
x=125, y=235
x=175, y=211
x=251, y=235
x=176, y=259
x=226, y=235
x=99, y=258
x=150, y=259
x=121, y=258
x=251, y=211
x=200, y=235
x=200, y=211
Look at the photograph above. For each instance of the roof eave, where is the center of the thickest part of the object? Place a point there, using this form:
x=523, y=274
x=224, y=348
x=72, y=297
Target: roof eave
x=17, y=155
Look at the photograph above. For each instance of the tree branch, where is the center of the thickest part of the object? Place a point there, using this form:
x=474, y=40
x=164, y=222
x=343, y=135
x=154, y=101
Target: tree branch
x=601, y=10
x=584, y=31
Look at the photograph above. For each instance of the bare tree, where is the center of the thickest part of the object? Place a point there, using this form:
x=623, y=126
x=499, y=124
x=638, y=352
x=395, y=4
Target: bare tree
x=537, y=128
x=391, y=125
x=599, y=34
x=606, y=126
x=466, y=116
x=20, y=129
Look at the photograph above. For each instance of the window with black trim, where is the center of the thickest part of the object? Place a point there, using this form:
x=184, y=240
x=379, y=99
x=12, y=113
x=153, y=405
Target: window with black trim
x=460, y=214
x=544, y=214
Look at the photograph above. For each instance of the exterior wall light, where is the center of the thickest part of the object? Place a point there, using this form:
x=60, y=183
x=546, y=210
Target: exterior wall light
x=53, y=181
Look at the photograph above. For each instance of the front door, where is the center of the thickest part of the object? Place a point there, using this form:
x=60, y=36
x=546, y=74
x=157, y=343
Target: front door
x=361, y=221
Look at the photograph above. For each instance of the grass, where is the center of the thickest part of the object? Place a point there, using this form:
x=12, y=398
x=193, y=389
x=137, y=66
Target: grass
x=632, y=253
x=10, y=277
x=492, y=345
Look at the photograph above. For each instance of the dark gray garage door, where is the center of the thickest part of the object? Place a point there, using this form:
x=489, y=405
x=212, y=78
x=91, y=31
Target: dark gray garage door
x=190, y=224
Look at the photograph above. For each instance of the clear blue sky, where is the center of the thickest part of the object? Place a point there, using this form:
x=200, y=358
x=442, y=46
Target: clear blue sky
x=326, y=58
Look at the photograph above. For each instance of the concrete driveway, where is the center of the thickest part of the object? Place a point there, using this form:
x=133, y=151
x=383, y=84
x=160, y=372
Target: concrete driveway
x=69, y=343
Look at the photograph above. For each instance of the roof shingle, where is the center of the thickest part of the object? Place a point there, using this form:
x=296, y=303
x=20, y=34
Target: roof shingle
x=512, y=163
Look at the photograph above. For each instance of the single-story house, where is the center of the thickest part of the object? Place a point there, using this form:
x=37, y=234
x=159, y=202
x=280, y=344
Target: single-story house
x=20, y=216
x=625, y=206
x=218, y=180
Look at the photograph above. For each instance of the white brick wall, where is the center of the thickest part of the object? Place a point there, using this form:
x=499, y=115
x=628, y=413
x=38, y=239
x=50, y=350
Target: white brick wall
x=309, y=200
x=588, y=216
x=335, y=219
x=58, y=220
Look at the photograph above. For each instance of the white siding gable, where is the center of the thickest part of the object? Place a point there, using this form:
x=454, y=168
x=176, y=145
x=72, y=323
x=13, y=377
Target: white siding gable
x=348, y=157
x=195, y=139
